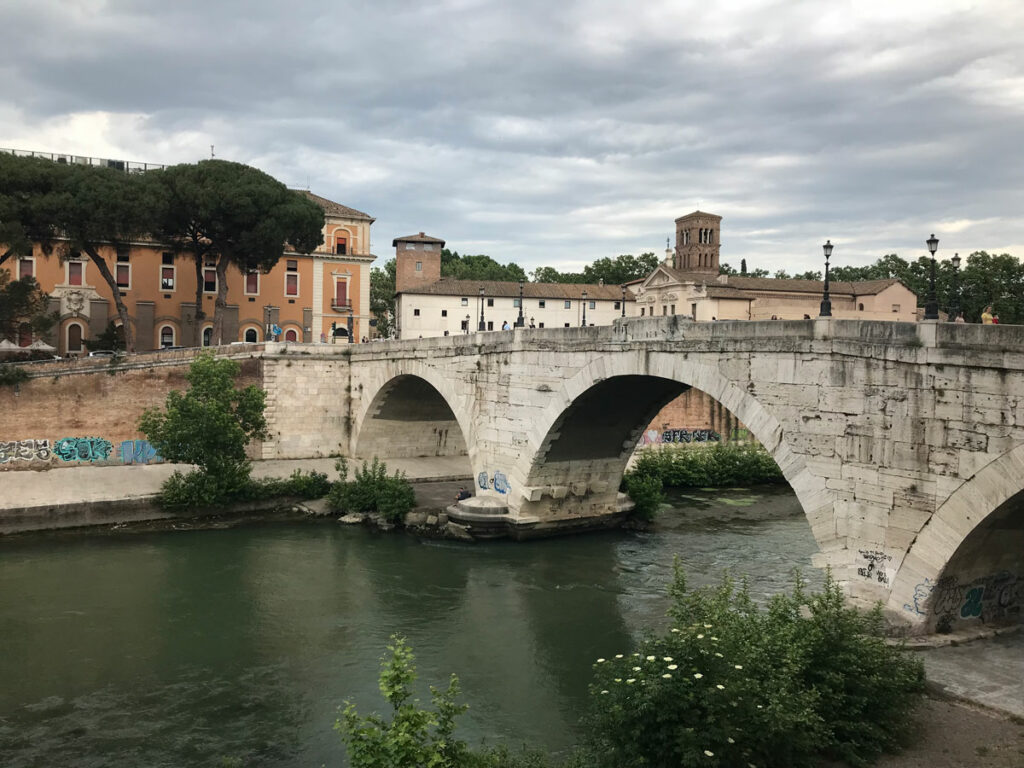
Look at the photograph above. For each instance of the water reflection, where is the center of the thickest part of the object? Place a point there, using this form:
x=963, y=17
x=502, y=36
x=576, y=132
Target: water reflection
x=181, y=648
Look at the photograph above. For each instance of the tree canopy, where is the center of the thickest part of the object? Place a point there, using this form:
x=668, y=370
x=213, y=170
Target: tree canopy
x=30, y=198
x=478, y=267
x=22, y=303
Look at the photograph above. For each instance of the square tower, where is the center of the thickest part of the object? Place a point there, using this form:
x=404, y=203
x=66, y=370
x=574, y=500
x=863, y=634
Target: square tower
x=417, y=261
x=697, y=242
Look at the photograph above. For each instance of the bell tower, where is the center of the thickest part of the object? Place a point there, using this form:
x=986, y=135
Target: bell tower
x=698, y=239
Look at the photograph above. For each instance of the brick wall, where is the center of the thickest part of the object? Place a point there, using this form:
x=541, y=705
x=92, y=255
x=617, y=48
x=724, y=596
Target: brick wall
x=694, y=416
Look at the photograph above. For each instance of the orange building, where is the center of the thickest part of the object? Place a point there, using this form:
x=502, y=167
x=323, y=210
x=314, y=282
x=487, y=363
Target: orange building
x=322, y=296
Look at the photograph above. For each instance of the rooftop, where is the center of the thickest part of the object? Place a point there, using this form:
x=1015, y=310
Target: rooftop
x=494, y=288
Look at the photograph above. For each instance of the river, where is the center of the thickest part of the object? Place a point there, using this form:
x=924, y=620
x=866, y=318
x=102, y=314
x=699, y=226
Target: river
x=181, y=648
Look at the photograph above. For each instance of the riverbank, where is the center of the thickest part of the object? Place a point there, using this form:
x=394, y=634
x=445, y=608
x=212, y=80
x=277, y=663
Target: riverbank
x=72, y=497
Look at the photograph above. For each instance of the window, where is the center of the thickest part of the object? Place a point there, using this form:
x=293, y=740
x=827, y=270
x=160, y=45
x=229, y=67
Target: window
x=568, y=305
x=340, y=293
x=26, y=268
x=542, y=303
x=618, y=305
x=895, y=307
x=693, y=311
x=76, y=270
x=465, y=301
x=673, y=309
x=860, y=307
x=24, y=335
x=340, y=245
x=419, y=266
x=209, y=280
x=490, y=302
x=415, y=313
x=566, y=325
x=74, y=338
x=444, y=313
x=167, y=336
x=291, y=335
x=252, y=283
x=291, y=284
x=593, y=305
x=167, y=273
x=642, y=310
x=465, y=325
x=664, y=309
x=207, y=336
x=516, y=303
x=251, y=336
x=490, y=325
x=541, y=325
x=124, y=276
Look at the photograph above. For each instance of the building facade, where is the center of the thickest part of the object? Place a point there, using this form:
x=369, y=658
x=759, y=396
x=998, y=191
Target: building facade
x=427, y=304
x=323, y=296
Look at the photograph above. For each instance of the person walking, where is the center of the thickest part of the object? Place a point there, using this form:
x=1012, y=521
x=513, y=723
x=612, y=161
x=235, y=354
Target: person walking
x=505, y=326
x=960, y=318
x=986, y=316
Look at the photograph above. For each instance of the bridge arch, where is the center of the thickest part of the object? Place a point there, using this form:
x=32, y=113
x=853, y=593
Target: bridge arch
x=411, y=410
x=967, y=562
x=665, y=375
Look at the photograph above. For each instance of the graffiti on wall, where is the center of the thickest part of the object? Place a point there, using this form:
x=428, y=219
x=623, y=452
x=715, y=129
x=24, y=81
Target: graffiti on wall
x=991, y=598
x=25, y=450
x=138, y=452
x=654, y=437
x=498, y=482
x=874, y=566
x=82, y=449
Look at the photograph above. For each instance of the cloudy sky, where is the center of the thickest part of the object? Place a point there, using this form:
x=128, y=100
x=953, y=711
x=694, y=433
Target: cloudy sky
x=554, y=132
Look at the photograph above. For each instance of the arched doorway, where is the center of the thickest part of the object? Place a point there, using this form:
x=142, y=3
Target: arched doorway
x=251, y=336
x=74, y=338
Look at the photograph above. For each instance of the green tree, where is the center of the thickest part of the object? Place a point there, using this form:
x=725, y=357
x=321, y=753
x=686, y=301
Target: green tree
x=111, y=339
x=103, y=210
x=30, y=198
x=23, y=303
x=209, y=425
x=478, y=267
x=621, y=269
x=243, y=215
x=382, y=298
x=809, y=275
x=725, y=269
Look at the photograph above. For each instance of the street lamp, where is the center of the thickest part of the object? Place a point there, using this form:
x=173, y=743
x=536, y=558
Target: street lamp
x=584, y=301
x=520, y=321
x=826, y=302
x=623, y=300
x=483, y=325
x=954, y=310
x=468, y=318
x=931, y=307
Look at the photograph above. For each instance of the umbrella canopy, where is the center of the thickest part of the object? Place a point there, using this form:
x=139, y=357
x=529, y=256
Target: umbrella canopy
x=41, y=346
x=6, y=345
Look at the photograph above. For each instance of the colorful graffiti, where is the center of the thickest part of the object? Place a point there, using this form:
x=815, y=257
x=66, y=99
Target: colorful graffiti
x=82, y=449
x=498, y=482
x=654, y=437
x=138, y=452
x=875, y=568
x=991, y=598
x=25, y=450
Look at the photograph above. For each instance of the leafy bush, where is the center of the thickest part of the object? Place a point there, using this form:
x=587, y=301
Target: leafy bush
x=372, y=490
x=735, y=684
x=721, y=464
x=313, y=485
x=198, y=489
x=413, y=736
x=646, y=493
x=11, y=375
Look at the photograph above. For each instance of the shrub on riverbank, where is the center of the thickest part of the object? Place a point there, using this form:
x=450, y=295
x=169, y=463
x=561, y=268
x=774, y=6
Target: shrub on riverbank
x=199, y=489
x=646, y=493
x=720, y=464
x=372, y=490
x=734, y=684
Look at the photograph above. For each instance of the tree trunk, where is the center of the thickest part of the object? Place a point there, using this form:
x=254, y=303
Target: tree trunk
x=221, y=303
x=197, y=336
x=6, y=255
x=122, y=309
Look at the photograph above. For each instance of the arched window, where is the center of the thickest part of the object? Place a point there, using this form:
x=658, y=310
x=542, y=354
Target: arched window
x=291, y=335
x=251, y=336
x=167, y=336
x=74, y=338
x=207, y=336
x=24, y=335
x=860, y=307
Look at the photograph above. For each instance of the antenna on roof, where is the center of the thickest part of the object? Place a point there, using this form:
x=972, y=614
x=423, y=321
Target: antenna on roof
x=211, y=152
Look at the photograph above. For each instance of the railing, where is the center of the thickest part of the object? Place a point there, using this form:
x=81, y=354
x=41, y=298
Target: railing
x=128, y=166
x=341, y=306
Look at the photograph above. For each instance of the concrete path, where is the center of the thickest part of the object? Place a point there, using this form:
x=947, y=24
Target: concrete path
x=988, y=671
x=69, y=485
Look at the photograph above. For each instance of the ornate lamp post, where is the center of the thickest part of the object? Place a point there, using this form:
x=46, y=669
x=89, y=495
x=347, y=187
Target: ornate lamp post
x=583, y=301
x=483, y=325
x=931, y=307
x=520, y=321
x=826, y=301
x=468, y=318
x=623, y=300
x=954, y=309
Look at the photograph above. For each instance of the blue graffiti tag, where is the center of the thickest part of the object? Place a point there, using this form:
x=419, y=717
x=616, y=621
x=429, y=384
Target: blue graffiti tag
x=921, y=593
x=82, y=448
x=500, y=482
x=481, y=480
x=138, y=452
x=972, y=603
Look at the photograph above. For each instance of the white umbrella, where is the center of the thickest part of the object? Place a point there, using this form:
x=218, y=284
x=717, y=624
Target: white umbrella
x=6, y=346
x=41, y=346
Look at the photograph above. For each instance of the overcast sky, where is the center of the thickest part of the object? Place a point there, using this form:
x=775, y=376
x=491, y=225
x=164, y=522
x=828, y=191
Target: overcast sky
x=554, y=132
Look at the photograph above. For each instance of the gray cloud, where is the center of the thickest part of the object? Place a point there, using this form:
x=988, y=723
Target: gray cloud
x=556, y=135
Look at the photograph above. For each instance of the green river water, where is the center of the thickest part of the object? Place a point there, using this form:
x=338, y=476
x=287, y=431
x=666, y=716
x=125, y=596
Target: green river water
x=180, y=648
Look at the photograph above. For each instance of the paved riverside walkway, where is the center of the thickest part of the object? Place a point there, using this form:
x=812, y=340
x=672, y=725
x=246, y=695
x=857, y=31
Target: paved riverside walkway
x=69, y=485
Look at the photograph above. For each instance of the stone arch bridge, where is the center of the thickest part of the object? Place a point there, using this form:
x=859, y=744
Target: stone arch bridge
x=904, y=443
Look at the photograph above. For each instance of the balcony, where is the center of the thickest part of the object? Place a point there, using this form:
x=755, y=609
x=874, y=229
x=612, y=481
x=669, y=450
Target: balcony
x=344, y=305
